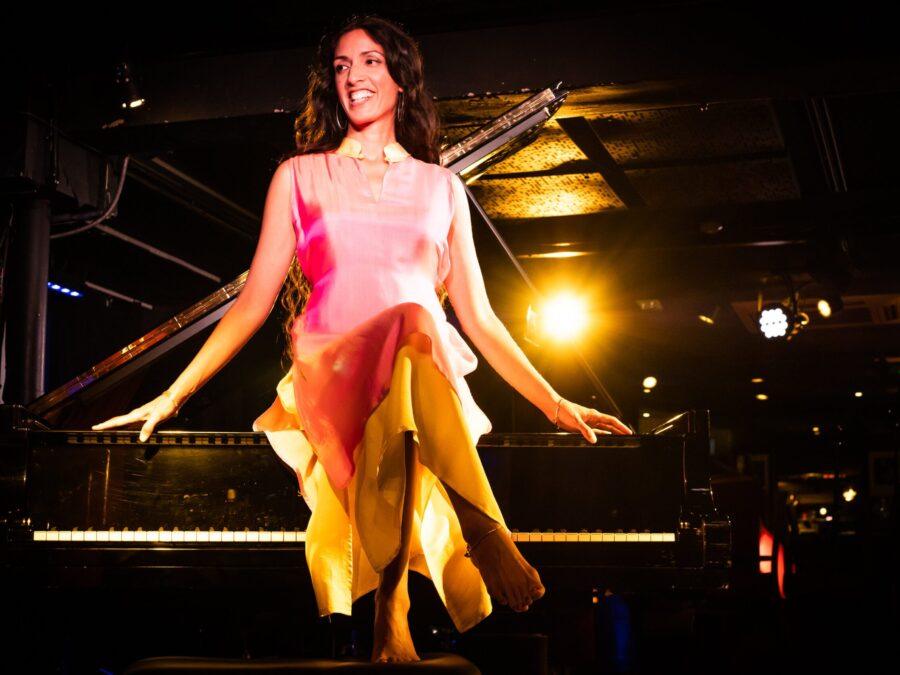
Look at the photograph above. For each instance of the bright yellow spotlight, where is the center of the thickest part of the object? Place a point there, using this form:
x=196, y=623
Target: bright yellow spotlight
x=649, y=382
x=563, y=317
x=858, y=394
x=762, y=397
x=709, y=318
x=816, y=431
x=849, y=494
x=824, y=308
x=757, y=380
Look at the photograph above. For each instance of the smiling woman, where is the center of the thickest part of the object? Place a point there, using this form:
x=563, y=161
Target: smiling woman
x=374, y=415
x=374, y=214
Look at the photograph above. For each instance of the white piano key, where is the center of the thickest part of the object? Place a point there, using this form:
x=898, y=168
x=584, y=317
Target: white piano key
x=282, y=536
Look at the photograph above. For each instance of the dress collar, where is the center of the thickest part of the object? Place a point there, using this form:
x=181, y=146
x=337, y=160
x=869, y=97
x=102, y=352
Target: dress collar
x=393, y=152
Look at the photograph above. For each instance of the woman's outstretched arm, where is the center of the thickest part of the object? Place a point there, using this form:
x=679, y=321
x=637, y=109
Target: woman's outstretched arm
x=465, y=287
x=274, y=252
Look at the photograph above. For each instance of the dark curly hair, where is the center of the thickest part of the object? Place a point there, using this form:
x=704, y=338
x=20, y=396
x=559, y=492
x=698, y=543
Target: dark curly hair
x=316, y=128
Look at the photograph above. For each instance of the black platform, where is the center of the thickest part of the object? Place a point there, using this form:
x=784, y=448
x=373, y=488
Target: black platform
x=451, y=664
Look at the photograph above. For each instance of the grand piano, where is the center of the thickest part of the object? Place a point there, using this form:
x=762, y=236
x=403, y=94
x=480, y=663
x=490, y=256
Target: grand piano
x=632, y=512
x=215, y=510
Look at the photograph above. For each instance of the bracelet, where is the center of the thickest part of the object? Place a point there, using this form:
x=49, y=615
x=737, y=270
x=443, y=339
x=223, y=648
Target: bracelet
x=469, y=549
x=556, y=417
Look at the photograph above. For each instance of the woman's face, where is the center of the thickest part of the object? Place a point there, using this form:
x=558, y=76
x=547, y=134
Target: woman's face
x=360, y=71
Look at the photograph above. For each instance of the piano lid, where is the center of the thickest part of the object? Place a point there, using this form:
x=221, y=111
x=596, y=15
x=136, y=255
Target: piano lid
x=470, y=157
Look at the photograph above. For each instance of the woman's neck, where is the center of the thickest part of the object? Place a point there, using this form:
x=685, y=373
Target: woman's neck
x=373, y=139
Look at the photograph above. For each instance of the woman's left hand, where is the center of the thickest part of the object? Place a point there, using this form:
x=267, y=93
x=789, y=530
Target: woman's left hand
x=587, y=421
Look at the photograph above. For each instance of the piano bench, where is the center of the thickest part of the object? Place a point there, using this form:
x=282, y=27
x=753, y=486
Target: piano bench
x=450, y=664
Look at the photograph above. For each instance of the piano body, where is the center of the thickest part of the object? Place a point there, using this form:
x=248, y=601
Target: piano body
x=632, y=512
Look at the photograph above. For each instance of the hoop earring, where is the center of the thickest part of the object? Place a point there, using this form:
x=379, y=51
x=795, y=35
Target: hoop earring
x=399, y=108
x=337, y=116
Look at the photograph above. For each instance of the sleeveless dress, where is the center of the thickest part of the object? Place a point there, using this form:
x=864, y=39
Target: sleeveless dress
x=374, y=357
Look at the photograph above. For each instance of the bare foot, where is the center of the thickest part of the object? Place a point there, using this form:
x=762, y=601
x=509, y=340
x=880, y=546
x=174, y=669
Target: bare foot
x=392, y=641
x=507, y=575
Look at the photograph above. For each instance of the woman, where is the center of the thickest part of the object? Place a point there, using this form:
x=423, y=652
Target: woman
x=375, y=416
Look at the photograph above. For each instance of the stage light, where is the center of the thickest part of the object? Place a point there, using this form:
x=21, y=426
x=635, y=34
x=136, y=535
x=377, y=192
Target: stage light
x=781, y=318
x=823, y=511
x=650, y=305
x=858, y=394
x=762, y=397
x=849, y=494
x=766, y=544
x=816, y=431
x=757, y=380
x=564, y=317
x=561, y=318
x=64, y=290
x=709, y=318
x=649, y=382
x=831, y=303
x=129, y=95
x=774, y=321
x=778, y=321
x=646, y=414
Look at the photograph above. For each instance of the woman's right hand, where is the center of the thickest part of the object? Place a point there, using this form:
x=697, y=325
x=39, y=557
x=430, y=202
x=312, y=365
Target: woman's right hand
x=152, y=413
x=587, y=421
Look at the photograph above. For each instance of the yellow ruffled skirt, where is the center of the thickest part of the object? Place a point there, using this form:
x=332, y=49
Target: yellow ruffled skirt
x=354, y=532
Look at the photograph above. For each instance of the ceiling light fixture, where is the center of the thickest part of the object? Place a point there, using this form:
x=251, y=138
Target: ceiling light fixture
x=129, y=95
x=781, y=319
x=709, y=318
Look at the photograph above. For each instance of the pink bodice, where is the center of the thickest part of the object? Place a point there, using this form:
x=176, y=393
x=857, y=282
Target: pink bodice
x=363, y=255
x=367, y=260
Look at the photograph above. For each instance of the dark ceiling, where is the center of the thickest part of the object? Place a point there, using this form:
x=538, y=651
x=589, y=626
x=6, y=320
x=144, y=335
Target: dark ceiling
x=708, y=152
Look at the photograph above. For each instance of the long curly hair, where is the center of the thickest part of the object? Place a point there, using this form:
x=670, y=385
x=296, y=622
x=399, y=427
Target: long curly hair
x=322, y=122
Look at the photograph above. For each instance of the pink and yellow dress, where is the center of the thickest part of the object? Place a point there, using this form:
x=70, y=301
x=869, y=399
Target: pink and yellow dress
x=375, y=357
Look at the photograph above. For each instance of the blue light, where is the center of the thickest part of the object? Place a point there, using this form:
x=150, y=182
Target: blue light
x=65, y=290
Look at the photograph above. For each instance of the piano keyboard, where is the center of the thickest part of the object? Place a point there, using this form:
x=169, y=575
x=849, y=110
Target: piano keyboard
x=291, y=537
